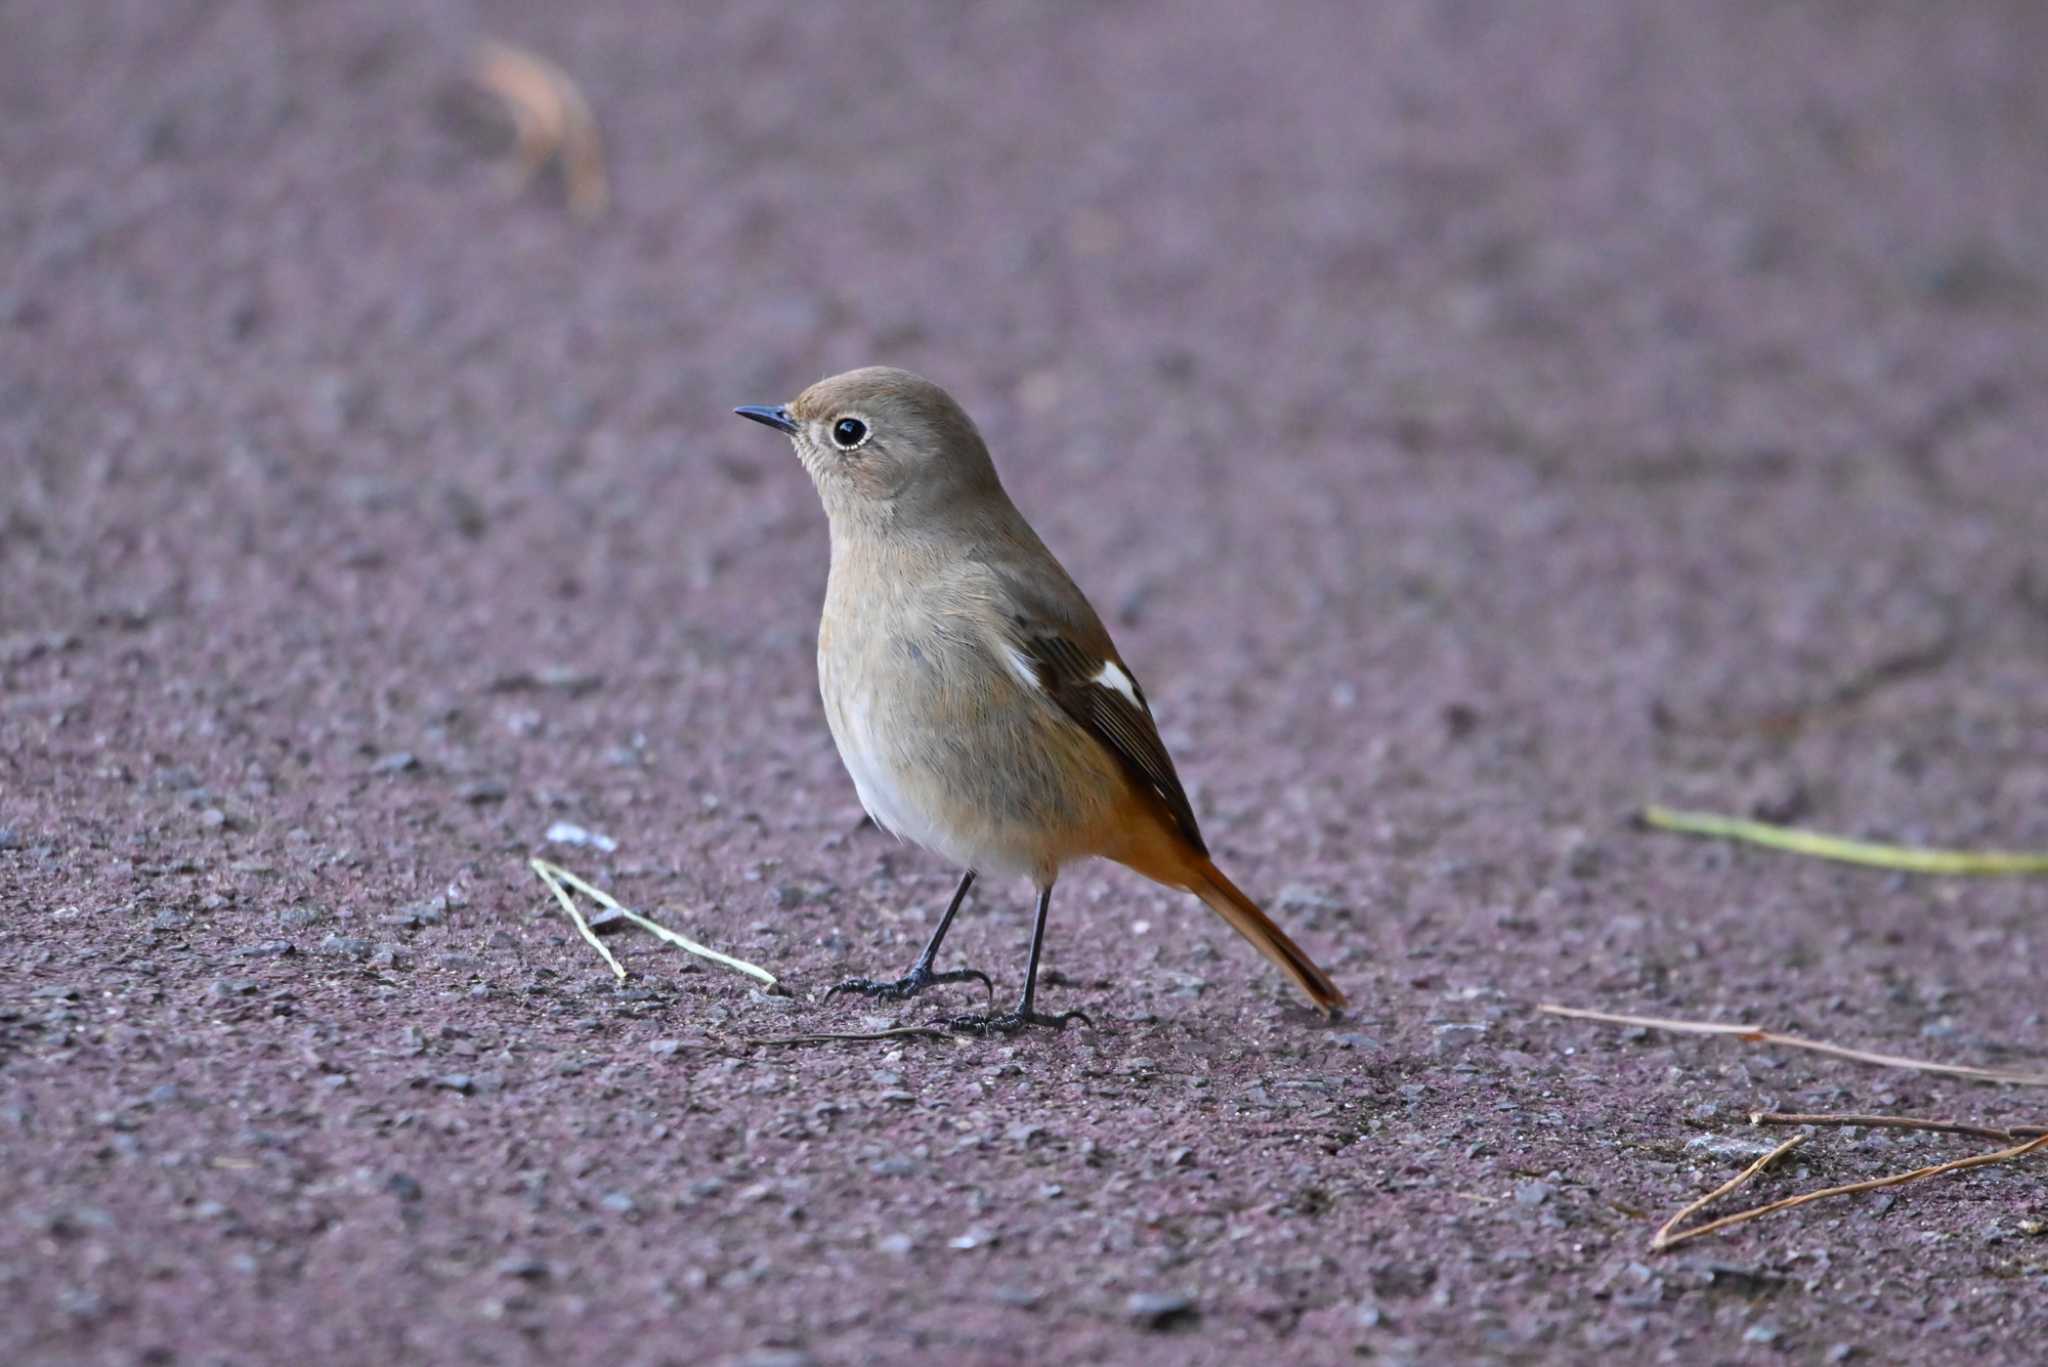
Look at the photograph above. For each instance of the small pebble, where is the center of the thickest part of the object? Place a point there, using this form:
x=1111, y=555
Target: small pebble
x=569, y=833
x=777, y=1357
x=1159, y=1309
x=1734, y=1148
x=413, y=915
x=345, y=946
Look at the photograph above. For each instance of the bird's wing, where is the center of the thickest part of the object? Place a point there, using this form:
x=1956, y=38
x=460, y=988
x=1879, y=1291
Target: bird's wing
x=1055, y=641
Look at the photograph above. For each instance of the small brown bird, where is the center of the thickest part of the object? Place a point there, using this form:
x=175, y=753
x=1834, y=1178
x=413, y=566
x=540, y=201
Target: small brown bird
x=975, y=696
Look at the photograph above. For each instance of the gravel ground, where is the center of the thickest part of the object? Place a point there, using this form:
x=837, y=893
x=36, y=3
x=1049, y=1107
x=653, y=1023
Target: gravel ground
x=1474, y=420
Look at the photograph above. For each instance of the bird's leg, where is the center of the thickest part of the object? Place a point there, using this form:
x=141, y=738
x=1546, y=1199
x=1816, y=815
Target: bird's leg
x=921, y=976
x=1024, y=1015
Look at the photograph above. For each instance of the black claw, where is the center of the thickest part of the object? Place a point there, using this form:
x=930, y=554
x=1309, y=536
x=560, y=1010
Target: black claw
x=910, y=984
x=1011, y=1022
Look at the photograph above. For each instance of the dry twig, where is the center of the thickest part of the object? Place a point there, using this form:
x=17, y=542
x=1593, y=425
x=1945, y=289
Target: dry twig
x=550, y=120
x=1757, y=1035
x=554, y=875
x=1665, y=1238
x=858, y=1036
x=2010, y=1134
x=1905, y=858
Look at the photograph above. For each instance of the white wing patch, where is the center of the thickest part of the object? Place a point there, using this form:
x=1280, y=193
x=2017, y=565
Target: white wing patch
x=1022, y=667
x=1109, y=676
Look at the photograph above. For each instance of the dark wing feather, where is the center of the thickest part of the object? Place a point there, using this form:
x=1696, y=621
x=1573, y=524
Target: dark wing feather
x=1069, y=673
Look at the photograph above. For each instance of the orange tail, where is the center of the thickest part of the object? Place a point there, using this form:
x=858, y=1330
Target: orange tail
x=1247, y=920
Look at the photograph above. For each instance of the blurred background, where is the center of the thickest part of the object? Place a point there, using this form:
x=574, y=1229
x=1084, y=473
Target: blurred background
x=1474, y=420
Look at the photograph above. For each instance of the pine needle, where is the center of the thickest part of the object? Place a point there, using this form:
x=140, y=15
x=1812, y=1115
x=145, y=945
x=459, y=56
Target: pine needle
x=857, y=1036
x=547, y=875
x=1757, y=1035
x=2010, y=1134
x=554, y=875
x=1666, y=1238
x=1903, y=858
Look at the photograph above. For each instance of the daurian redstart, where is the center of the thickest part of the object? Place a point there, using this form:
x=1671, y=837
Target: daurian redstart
x=975, y=696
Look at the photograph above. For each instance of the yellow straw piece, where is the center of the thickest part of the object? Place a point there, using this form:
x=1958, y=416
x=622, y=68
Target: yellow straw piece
x=1905, y=858
x=554, y=875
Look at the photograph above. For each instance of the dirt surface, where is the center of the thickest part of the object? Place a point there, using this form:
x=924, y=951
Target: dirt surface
x=1474, y=420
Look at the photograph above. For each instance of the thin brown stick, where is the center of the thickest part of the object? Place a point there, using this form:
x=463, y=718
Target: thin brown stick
x=1666, y=1239
x=1758, y=1035
x=2010, y=1134
x=856, y=1036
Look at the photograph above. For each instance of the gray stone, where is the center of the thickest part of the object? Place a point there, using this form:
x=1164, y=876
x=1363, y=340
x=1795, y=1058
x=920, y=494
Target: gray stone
x=1160, y=1309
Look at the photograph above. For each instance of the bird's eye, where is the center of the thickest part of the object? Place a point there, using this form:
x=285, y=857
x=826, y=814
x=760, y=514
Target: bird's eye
x=848, y=433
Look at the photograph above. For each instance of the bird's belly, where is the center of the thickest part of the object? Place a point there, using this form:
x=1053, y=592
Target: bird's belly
x=881, y=779
x=914, y=800
x=984, y=796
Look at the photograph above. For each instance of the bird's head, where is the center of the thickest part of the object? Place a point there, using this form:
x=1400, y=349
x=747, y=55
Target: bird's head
x=883, y=444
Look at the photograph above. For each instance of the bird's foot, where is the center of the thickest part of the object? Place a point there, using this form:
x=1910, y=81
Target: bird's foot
x=1010, y=1022
x=910, y=984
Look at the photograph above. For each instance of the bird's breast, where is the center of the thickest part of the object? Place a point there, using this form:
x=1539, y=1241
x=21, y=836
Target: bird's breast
x=946, y=745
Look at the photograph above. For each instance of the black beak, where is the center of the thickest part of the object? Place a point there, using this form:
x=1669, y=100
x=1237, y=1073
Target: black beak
x=776, y=417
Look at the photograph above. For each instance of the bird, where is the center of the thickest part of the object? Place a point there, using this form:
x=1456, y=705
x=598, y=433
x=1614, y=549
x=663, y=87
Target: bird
x=974, y=695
